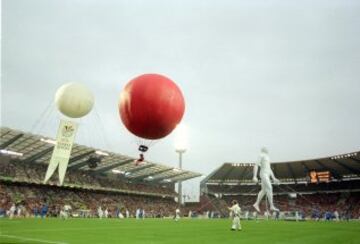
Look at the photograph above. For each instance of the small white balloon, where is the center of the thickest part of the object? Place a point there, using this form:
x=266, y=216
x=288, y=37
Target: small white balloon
x=74, y=100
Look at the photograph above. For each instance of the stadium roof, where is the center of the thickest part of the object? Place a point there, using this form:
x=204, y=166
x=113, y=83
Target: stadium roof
x=340, y=167
x=32, y=148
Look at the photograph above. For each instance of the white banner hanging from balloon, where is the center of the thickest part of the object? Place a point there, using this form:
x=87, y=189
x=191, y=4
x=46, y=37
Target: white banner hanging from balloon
x=62, y=150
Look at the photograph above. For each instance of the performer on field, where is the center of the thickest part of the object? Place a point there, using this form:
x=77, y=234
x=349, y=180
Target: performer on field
x=12, y=211
x=65, y=212
x=235, y=211
x=177, y=214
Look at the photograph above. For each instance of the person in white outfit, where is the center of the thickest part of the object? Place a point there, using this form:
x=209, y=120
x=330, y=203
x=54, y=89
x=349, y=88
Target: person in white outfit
x=247, y=215
x=19, y=210
x=100, y=212
x=65, y=212
x=12, y=211
x=336, y=215
x=265, y=174
x=143, y=214
x=137, y=213
x=235, y=211
x=177, y=214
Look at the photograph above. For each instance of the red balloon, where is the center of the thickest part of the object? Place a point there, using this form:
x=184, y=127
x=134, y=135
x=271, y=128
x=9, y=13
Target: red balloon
x=151, y=105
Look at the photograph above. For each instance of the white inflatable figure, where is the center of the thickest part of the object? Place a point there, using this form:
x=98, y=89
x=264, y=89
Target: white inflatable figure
x=265, y=174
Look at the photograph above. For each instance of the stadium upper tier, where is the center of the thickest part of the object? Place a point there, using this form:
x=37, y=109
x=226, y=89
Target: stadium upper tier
x=329, y=169
x=30, y=148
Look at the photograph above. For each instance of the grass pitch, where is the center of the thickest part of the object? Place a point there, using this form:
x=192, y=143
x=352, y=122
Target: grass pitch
x=161, y=231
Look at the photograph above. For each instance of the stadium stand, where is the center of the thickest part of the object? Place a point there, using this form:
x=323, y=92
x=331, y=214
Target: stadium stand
x=312, y=188
x=112, y=181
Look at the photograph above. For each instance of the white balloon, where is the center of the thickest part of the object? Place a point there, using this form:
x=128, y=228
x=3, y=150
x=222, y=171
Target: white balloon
x=74, y=100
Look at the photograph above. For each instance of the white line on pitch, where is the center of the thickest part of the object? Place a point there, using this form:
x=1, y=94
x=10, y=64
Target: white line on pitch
x=75, y=229
x=32, y=239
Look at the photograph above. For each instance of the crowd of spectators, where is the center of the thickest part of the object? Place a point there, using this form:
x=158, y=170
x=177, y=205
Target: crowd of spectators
x=22, y=185
x=30, y=198
x=25, y=172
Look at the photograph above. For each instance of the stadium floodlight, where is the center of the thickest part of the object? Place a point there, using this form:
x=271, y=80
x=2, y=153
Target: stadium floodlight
x=181, y=138
x=181, y=144
x=50, y=141
x=98, y=152
x=347, y=155
x=12, y=153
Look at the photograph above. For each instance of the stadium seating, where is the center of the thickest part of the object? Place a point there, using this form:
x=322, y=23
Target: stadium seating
x=22, y=184
x=22, y=172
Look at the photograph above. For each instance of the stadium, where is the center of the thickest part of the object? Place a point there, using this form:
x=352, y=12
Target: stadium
x=309, y=189
x=179, y=122
x=132, y=192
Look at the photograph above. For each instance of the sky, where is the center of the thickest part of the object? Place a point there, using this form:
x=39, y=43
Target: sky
x=280, y=74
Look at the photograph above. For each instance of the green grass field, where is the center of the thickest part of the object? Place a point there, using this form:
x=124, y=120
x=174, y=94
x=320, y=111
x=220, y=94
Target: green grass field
x=154, y=231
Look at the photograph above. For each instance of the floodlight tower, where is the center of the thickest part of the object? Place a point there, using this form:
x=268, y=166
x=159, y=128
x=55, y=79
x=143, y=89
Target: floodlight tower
x=180, y=148
x=180, y=152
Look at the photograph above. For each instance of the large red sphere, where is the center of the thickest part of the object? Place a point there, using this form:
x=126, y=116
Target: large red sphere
x=151, y=105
